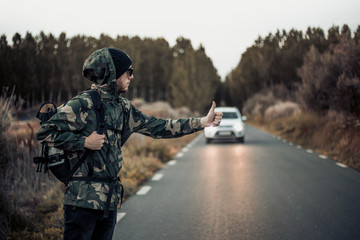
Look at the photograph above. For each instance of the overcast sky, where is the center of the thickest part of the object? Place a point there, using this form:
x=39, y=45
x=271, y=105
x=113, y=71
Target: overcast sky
x=225, y=28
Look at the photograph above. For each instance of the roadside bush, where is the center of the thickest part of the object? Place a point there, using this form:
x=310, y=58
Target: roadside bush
x=281, y=110
x=4, y=152
x=22, y=190
x=156, y=150
x=260, y=102
x=163, y=109
x=136, y=170
x=7, y=109
x=257, y=104
x=159, y=109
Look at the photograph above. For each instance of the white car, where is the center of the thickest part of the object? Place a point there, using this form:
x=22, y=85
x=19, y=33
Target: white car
x=231, y=126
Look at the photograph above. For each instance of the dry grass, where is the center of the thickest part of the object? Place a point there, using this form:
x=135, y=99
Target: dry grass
x=333, y=135
x=26, y=193
x=143, y=156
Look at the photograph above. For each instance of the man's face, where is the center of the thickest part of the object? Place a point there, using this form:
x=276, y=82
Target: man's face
x=122, y=83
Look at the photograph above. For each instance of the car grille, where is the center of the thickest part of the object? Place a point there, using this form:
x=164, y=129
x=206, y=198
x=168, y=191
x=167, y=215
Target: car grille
x=225, y=134
x=225, y=126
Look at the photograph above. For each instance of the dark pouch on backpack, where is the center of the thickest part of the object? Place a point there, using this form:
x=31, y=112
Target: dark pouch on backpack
x=58, y=163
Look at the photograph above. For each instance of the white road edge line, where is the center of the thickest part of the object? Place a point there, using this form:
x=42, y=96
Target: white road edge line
x=341, y=165
x=171, y=162
x=119, y=216
x=186, y=148
x=144, y=190
x=157, y=177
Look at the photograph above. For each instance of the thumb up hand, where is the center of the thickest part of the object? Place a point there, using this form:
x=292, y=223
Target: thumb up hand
x=212, y=118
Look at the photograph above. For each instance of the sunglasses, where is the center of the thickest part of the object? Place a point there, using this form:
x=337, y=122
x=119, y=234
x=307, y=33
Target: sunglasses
x=131, y=70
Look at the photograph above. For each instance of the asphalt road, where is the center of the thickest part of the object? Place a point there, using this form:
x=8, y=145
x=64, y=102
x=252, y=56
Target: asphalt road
x=264, y=189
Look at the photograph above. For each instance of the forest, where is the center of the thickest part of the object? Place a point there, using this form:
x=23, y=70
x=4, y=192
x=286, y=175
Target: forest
x=320, y=69
x=47, y=68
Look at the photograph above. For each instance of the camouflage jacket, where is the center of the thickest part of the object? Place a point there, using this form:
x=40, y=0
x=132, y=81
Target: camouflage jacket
x=68, y=128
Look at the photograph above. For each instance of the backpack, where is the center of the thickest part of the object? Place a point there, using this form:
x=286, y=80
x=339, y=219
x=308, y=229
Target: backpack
x=55, y=159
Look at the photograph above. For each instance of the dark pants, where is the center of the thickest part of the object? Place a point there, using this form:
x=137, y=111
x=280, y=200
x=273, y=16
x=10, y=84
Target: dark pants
x=86, y=224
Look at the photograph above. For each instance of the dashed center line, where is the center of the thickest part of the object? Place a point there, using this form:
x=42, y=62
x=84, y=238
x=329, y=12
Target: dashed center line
x=157, y=177
x=298, y=146
x=144, y=190
x=119, y=216
x=185, y=149
x=309, y=150
x=179, y=155
x=323, y=156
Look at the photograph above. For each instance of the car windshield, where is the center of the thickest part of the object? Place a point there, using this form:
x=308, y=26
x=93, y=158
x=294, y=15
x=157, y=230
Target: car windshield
x=230, y=115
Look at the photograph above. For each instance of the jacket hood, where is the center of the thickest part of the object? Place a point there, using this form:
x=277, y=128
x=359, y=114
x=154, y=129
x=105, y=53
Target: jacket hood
x=99, y=67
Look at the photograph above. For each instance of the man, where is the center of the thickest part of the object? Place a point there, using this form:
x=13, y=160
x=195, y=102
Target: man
x=90, y=206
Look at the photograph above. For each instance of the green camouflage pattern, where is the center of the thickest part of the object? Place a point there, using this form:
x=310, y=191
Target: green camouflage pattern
x=68, y=128
x=99, y=67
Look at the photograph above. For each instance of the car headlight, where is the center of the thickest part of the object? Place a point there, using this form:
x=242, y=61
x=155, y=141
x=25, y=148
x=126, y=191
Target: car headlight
x=211, y=130
x=238, y=127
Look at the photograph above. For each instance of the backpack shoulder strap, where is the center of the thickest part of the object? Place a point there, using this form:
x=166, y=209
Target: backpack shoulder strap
x=125, y=134
x=99, y=110
x=100, y=119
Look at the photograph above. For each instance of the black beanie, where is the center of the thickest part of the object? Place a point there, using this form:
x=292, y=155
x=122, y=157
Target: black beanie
x=121, y=60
